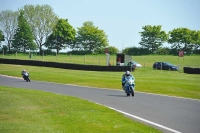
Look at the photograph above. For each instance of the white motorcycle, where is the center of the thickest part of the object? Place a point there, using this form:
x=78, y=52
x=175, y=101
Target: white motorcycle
x=129, y=86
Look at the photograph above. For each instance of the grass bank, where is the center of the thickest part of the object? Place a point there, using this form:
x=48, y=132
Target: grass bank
x=32, y=111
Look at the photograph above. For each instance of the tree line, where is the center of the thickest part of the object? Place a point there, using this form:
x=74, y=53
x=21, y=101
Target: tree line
x=35, y=27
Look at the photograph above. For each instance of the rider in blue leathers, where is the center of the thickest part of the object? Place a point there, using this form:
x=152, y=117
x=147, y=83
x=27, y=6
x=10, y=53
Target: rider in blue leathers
x=124, y=76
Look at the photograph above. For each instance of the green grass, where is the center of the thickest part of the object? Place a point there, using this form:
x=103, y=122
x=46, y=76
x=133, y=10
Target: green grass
x=87, y=59
x=171, y=83
x=32, y=111
x=147, y=61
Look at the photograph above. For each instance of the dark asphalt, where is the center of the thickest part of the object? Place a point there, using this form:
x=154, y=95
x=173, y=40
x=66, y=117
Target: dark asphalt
x=174, y=114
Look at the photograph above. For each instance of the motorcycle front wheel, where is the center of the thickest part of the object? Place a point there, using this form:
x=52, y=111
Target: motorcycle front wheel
x=28, y=80
x=132, y=91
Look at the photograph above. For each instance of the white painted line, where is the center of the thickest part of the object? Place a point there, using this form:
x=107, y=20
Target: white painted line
x=147, y=121
x=168, y=96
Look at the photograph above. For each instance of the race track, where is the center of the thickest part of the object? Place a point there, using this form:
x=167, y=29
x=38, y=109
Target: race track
x=169, y=114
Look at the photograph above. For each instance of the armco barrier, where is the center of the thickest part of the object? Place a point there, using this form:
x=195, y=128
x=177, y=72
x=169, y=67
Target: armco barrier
x=191, y=70
x=66, y=65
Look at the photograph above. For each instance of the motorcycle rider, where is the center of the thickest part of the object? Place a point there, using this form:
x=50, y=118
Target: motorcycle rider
x=124, y=76
x=24, y=72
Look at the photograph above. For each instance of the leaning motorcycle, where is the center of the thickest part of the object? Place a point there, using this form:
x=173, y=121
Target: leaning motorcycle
x=129, y=86
x=26, y=77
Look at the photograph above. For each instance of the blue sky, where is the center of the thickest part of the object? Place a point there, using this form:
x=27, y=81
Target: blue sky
x=122, y=20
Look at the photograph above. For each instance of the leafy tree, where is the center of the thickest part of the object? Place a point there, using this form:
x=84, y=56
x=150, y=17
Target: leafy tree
x=181, y=39
x=173, y=51
x=152, y=37
x=1, y=37
x=163, y=51
x=41, y=19
x=23, y=38
x=196, y=39
x=111, y=50
x=4, y=49
x=63, y=36
x=8, y=24
x=90, y=38
x=136, y=51
x=79, y=52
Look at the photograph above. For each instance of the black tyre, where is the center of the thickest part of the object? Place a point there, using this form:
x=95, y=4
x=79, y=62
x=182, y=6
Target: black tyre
x=132, y=92
x=128, y=94
x=28, y=79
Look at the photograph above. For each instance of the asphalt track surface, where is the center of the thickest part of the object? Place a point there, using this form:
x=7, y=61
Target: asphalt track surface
x=168, y=114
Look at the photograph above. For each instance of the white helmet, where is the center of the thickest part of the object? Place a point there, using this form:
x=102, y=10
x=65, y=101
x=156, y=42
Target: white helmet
x=127, y=73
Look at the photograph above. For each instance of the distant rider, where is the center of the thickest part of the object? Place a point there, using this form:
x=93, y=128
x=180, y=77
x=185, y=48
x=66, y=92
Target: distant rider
x=124, y=76
x=24, y=72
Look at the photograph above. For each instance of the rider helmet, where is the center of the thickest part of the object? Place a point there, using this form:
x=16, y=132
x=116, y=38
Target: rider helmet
x=127, y=73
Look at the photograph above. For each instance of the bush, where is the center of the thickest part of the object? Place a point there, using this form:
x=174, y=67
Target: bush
x=81, y=52
x=136, y=51
x=5, y=49
x=163, y=51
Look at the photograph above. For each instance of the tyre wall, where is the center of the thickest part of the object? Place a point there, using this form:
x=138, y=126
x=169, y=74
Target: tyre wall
x=66, y=65
x=191, y=70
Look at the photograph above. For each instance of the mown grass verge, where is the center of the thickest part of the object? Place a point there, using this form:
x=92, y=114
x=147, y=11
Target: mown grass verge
x=32, y=111
x=171, y=83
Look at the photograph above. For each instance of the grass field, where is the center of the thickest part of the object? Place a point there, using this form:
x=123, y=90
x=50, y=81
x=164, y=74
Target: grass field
x=171, y=83
x=146, y=61
x=31, y=111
